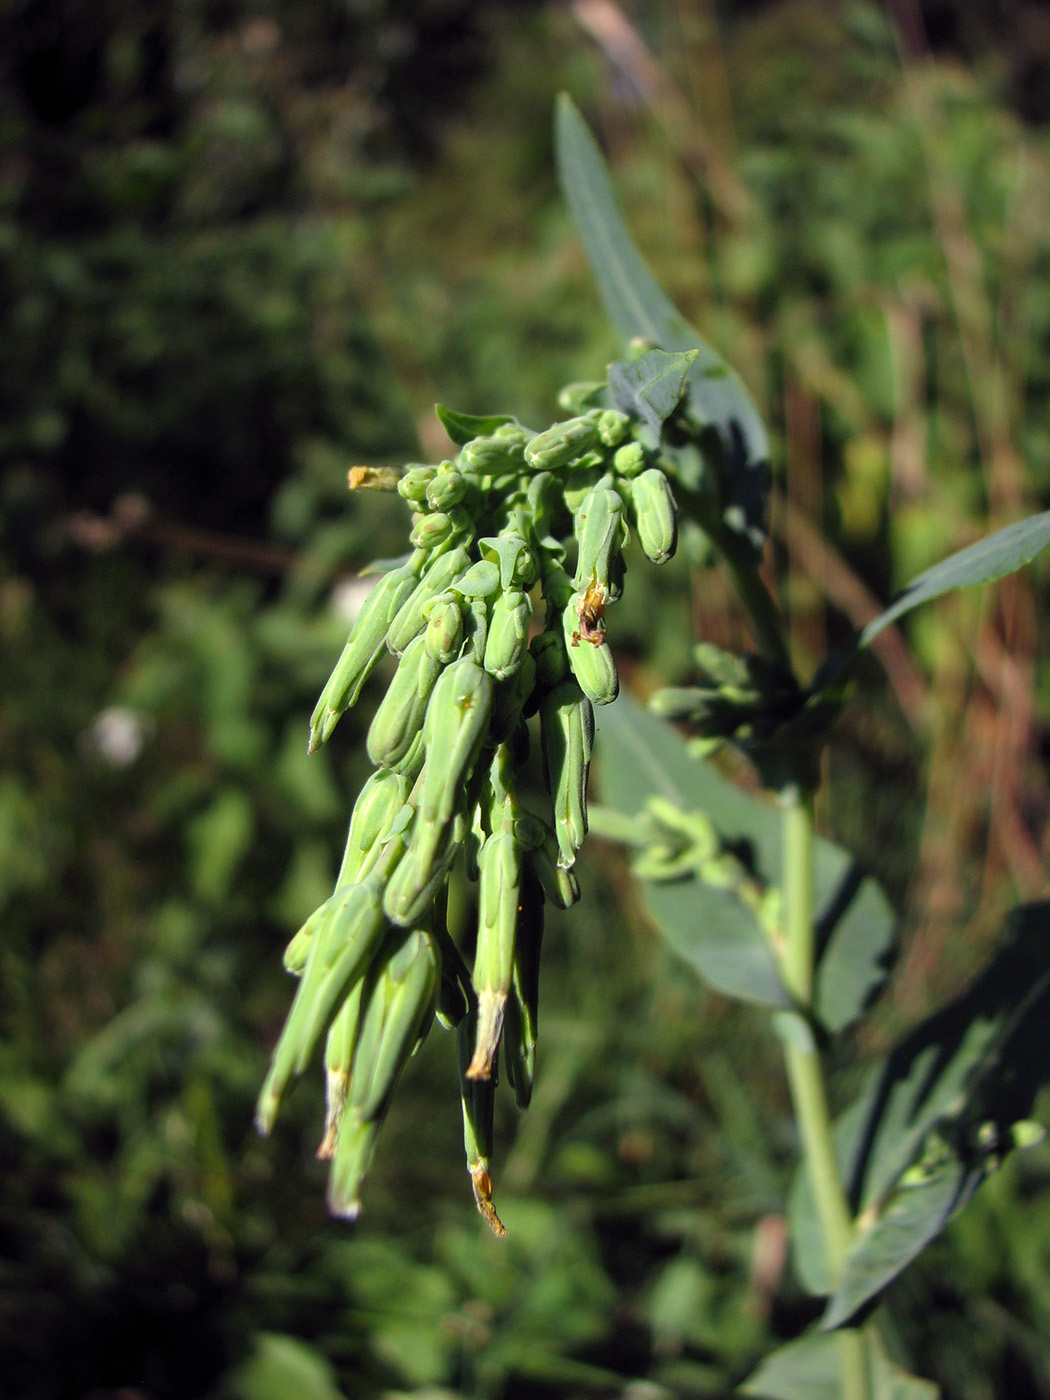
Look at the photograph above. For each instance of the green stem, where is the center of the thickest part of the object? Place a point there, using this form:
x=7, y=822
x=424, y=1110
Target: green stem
x=763, y=612
x=798, y=856
x=804, y=1070
x=765, y=617
x=797, y=965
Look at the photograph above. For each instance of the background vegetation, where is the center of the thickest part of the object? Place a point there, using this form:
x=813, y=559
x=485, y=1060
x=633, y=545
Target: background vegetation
x=244, y=246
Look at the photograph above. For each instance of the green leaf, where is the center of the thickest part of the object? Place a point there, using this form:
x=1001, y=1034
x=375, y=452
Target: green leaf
x=810, y=1369
x=281, y=1366
x=462, y=427
x=406, y=1299
x=637, y=755
x=651, y=387
x=938, y=1113
x=913, y=1215
x=989, y=559
x=1000, y=554
x=638, y=307
x=856, y=940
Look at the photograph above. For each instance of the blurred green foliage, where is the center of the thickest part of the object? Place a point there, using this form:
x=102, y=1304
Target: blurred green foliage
x=244, y=246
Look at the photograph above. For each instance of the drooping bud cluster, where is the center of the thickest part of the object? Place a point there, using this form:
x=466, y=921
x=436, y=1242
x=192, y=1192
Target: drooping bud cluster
x=497, y=614
x=668, y=843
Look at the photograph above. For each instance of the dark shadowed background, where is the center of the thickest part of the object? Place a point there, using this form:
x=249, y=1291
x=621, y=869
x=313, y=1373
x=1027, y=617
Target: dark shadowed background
x=246, y=246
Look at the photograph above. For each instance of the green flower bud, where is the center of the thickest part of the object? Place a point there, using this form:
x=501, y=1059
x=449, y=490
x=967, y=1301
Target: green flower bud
x=338, y=1058
x=595, y=670
x=562, y=444
x=521, y=1017
x=566, y=737
x=342, y=948
x=363, y=648
x=410, y=764
x=435, y=530
x=440, y=574
x=413, y=485
x=508, y=636
x=630, y=459
x=552, y=665
x=476, y=628
x=499, y=866
x=446, y=490
x=402, y=710
x=355, y=1147
x=455, y=728
x=496, y=795
x=655, y=515
x=557, y=588
x=421, y=872
x=346, y=946
x=542, y=855
x=511, y=699
x=378, y=804
x=613, y=427
x=399, y=1008
x=543, y=504
x=444, y=634
x=582, y=482
x=501, y=454
x=298, y=949
x=590, y=659
x=601, y=532
x=478, y=1097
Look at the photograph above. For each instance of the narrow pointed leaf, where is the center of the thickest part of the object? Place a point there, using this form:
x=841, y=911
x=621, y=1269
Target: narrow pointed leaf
x=462, y=427
x=938, y=1113
x=989, y=559
x=638, y=307
x=912, y=1217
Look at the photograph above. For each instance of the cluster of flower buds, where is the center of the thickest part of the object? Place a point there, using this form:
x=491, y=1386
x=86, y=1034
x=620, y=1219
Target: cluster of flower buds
x=496, y=615
x=743, y=699
x=668, y=843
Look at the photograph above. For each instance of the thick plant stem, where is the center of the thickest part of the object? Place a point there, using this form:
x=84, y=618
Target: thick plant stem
x=766, y=621
x=798, y=856
x=805, y=1075
x=762, y=610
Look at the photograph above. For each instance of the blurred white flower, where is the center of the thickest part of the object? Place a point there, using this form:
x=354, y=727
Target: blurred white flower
x=117, y=735
x=349, y=594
